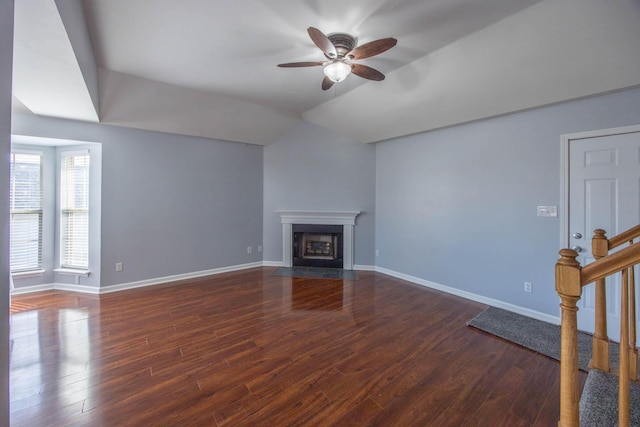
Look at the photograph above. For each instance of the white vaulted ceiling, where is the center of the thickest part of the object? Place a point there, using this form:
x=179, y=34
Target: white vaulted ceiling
x=208, y=68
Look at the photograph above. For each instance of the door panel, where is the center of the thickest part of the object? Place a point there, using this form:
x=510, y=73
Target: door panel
x=604, y=192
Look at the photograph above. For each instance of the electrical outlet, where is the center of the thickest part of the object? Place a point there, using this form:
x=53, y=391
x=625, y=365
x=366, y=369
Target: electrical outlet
x=249, y=249
x=119, y=266
x=377, y=252
x=528, y=287
x=259, y=248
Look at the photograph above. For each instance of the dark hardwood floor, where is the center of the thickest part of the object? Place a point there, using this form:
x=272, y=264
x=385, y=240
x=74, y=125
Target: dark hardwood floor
x=251, y=349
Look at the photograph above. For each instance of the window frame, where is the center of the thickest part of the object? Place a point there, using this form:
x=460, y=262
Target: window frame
x=36, y=269
x=64, y=211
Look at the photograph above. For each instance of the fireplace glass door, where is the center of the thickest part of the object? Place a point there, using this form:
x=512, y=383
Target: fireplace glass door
x=317, y=245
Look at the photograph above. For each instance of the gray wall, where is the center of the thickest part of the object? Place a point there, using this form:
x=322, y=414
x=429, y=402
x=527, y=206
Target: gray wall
x=457, y=206
x=6, y=61
x=171, y=204
x=311, y=168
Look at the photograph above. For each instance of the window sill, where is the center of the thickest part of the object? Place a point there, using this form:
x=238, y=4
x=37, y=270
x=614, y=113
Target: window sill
x=73, y=272
x=26, y=274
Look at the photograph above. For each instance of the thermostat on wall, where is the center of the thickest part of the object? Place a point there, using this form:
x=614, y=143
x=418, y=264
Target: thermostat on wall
x=548, y=211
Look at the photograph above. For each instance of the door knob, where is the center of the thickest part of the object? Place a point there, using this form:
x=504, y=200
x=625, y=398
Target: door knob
x=577, y=236
x=577, y=249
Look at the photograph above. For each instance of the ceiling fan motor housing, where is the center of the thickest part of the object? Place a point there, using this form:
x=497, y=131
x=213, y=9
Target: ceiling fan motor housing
x=344, y=43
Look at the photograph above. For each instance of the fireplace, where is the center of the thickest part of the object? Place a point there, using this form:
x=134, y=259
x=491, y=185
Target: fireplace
x=323, y=243
x=317, y=245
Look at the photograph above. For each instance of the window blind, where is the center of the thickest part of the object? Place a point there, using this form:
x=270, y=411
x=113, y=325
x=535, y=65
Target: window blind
x=74, y=227
x=25, y=206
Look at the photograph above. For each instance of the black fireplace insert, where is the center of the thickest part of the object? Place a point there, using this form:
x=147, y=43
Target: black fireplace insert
x=316, y=245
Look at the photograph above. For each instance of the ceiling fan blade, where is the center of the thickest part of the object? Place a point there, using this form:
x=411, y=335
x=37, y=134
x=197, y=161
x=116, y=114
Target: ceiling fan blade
x=301, y=64
x=326, y=83
x=373, y=48
x=323, y=42
x=366, y=72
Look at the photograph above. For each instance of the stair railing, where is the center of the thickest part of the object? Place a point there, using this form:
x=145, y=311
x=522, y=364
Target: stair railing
x=570, y=279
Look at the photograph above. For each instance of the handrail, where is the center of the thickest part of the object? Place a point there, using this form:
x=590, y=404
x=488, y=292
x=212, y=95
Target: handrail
x=610, y=264
x=624, y=237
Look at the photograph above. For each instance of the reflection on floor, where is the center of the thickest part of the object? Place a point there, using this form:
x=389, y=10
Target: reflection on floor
x=316, y=272
x=18, y=307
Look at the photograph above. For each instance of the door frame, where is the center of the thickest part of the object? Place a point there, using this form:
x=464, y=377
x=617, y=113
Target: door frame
x=565, y=142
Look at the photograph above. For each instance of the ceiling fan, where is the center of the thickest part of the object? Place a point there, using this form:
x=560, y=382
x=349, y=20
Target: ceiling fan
x=340, y=50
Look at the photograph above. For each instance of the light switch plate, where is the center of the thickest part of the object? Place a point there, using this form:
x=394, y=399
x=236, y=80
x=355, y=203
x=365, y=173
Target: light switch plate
x=550, y=211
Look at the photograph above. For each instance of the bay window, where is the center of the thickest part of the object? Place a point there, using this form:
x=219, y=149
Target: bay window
x=55, y=191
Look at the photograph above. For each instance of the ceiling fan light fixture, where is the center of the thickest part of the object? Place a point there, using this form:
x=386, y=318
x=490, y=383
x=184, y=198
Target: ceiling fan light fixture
x=337, y=71
x=341, y=49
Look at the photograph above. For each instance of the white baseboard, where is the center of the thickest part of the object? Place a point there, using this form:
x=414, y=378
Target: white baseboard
x=161, y=280
x=473, y=297
x=272, y=263
x=76, y=288
x=361, y=267
x=56, y=287
x=132, y=285
x=176, y=277
x=31, y=289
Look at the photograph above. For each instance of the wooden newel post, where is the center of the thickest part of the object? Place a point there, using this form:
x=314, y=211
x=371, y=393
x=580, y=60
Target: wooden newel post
x=599, y=243
x=569, y=290
x=600, y=357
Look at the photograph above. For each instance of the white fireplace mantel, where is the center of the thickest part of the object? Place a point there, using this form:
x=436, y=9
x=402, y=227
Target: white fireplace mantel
x=345, y=218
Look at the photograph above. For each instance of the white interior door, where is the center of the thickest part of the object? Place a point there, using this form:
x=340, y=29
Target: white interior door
x=604, y=192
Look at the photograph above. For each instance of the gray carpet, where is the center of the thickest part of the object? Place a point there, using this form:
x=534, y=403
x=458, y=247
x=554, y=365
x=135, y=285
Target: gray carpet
x=599, y=402
x=316, y=272
x=599, y=399
x=536, y=335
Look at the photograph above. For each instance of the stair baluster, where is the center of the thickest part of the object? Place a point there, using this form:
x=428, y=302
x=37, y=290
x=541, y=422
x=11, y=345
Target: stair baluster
x=623, y=382
x=600, y=353
x=633, y=351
